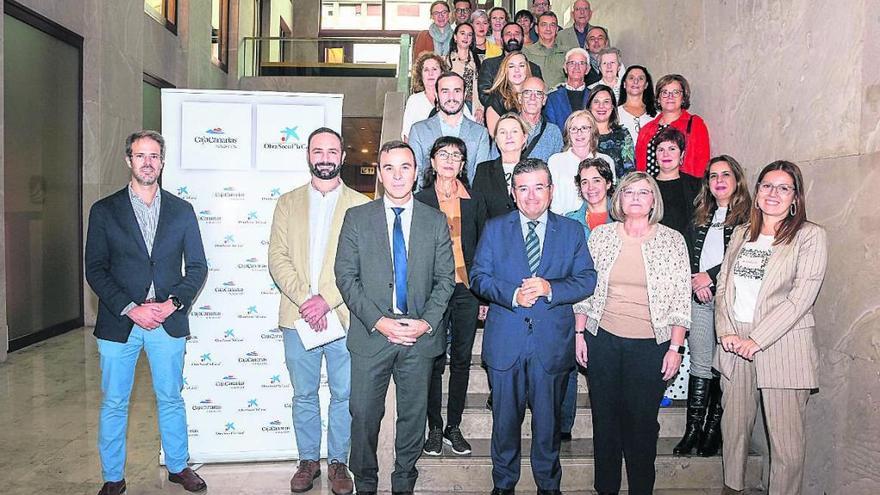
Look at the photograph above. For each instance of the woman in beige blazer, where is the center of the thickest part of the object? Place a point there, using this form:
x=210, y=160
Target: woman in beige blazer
x=767, y=287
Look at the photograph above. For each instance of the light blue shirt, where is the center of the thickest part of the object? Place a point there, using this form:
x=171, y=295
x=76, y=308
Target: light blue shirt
x=540, y=231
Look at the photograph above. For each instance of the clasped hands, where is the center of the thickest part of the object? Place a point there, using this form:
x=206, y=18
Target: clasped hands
x=701, y=285
x=314, y=310
x=150, y=315
x=745, y=348
x=403, y=331
x=530, y=290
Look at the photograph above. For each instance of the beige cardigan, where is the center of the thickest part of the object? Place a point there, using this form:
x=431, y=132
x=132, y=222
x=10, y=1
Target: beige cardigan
x=668, y=273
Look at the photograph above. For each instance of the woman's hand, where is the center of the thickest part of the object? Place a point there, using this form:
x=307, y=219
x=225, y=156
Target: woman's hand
x=700, y=281
x=580, y=349
x=478, y=116
x=704, y=294
x=671, y=363
x=730, y=342
x=747, y=348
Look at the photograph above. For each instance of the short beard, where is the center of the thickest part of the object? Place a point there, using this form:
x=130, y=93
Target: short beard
x=456, y=112
x=512, y=46
x=325, y=175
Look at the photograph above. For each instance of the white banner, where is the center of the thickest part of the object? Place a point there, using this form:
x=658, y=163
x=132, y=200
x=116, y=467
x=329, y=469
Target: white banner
x=232, y=154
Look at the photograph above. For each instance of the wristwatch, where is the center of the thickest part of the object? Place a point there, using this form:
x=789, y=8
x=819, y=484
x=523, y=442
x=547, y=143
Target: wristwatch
x=176, y=302
x=677, y=348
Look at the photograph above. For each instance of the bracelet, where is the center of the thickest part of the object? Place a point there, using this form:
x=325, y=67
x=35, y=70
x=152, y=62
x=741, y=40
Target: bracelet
x=676, y=348
x=578, y=333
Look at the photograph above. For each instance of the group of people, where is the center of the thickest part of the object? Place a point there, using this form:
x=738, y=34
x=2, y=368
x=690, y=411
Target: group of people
x=551, y=192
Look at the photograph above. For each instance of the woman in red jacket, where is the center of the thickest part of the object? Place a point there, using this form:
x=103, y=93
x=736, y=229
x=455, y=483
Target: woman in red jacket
x=673, y=100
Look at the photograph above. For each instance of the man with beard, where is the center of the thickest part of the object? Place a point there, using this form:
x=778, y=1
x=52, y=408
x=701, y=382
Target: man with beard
x=137, y=240
x=449, y=121
x=512, y=36
x=301, y=255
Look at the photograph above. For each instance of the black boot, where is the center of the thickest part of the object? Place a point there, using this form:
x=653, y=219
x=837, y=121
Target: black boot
x=698, y=395
x=711, y=441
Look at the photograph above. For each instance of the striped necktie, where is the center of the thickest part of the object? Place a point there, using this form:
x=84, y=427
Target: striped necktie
x=533, y=247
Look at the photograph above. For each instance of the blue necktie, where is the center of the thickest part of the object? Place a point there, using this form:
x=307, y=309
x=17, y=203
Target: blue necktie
x=533, y=247
x=399, y=249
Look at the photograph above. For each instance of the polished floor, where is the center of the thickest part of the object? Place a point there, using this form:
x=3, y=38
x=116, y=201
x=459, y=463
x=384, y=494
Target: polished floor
x=49, y=397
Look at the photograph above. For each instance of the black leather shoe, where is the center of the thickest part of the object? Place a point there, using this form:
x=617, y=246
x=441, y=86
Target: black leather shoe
x=503, y=491
x=606, y=493
x=401, y=493
x=565, y=437
x=113, y=488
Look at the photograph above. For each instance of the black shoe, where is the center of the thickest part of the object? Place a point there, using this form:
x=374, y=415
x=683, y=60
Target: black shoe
x=401, y=493
x=606, y=493
x=113, y=488
x=434, y=443
x=503, y=491
x=453, y=437
x=698, y=398
x=489, y=402
x=565, y=437
x=711, y=442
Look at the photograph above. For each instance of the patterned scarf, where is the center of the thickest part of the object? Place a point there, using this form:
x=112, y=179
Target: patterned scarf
x=441, y=39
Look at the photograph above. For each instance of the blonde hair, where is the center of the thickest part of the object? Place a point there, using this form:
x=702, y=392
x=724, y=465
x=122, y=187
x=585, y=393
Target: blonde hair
x=526, y=127
x=656, y=213
x=502, y=85
x=594, y=133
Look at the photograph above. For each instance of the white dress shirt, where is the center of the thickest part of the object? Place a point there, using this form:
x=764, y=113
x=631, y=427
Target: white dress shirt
x=321, y=208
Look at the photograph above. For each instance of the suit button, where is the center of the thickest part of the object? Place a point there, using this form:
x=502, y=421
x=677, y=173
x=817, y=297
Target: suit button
x=152, y=263
x=529, y=321
x=390, y=286
x=390, y=310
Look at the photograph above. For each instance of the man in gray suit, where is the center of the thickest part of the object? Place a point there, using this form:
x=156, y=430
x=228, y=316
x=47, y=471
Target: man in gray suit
x=395, y=271
x=449, y=121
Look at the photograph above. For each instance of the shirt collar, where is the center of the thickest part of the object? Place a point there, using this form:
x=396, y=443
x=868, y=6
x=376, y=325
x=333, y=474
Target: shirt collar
x=134, y=197
x=542, y=220
x=582, y=87
x=388, y=204
x=319, y=195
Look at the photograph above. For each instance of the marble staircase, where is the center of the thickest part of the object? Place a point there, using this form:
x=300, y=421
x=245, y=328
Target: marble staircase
x=473, y=473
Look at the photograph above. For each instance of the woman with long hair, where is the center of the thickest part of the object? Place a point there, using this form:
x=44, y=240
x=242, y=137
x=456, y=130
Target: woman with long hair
x=463, y=60
x=767, y=287
x=512, y=73
x=722, y=204
x=636, y=100
x=614, y=140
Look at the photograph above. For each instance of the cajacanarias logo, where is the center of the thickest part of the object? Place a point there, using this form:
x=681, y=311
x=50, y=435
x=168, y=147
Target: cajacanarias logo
x=216, y=136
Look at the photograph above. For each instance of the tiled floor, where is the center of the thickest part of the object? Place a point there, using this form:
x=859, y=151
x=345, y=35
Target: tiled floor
x=49, y=397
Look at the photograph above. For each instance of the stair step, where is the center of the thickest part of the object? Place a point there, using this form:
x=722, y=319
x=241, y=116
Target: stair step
x=476, y=420
x=473, y=473
x=478, y=381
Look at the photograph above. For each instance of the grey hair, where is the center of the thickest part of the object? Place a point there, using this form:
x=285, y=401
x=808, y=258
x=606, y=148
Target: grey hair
x=528, y=165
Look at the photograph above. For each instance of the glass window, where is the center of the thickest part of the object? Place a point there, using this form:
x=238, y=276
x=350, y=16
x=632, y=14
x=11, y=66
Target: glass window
x=375, y=15
x=220, y=32
x=164, y=11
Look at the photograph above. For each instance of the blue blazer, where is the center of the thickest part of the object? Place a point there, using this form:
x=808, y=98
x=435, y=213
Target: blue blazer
x=119, y=269
x=558, y=108
x=423, y=134
x=500, y=266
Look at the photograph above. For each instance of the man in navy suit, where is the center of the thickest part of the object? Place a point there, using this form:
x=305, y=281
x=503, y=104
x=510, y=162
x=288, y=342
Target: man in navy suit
x=137, y=240
x=531, y=265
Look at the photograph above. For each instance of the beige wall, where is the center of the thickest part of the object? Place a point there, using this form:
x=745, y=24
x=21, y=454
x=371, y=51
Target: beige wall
x=779, y=79
x=121, y=42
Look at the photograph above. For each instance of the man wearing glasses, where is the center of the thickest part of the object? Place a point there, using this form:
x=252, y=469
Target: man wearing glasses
x=532, y=266
x=545, y=138
x=547, y=52
x=143, y=300
x=573, y=94
x=463, y=10
x=436, y=38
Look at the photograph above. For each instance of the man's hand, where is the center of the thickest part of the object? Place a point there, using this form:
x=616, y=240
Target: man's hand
x=700, y=280
x=704, y=294
x=147, y=316
x=747, y=348
x=540, y=286
x=403, y=331
x=526, y=297
x=730, y=342
x=314, y=311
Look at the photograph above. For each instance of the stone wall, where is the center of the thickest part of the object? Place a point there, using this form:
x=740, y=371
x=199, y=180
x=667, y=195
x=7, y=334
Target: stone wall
x=794, y=80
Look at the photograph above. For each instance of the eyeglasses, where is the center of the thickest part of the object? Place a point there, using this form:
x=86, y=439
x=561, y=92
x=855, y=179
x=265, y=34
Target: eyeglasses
x=440, y=13
x=454, y=157
x=141, y=157
x=580, y=129
x=541, y=4
x=674, y=93
x=576, y=63
x=641, y=193
x=781, y=189
x=463, y=11
x=537, y=188
x=532, y=93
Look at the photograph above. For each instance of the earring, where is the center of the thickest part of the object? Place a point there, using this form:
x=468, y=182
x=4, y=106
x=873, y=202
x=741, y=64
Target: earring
x=792, y=210
x=756, y=204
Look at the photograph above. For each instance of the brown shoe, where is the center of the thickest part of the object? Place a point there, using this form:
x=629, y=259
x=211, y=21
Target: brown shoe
x=190, y=481
x=113, y=488
x=303, y=479
x=340, y=480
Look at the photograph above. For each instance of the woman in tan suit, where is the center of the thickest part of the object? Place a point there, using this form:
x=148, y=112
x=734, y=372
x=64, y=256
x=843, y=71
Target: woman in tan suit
x=767, y=287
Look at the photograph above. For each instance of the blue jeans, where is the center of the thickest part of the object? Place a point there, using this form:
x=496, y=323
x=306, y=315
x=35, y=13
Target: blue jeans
x=118, y=362
x=305, y=375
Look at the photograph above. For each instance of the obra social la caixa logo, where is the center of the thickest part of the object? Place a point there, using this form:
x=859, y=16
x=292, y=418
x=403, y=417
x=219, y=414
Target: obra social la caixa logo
x=230, y=429
x=277, y=427
x=230, y=381
x=217, y=138
x=227, y=337
x=252, y=406
x=183, y=193
x=230, y=288
x=273, y=195
x=288, y=139
x=252, y=218
x=207, y=406
x=251, y=313
x=228, y=242
x=205, y=360
x=189, y=387
x=274, y=381
x=253, y=358
x=270, y=290
x=206, y=312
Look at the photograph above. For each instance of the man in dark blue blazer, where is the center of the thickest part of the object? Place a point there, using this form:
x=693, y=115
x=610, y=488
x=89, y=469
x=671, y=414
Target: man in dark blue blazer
x=531, y=265
x=138, y=239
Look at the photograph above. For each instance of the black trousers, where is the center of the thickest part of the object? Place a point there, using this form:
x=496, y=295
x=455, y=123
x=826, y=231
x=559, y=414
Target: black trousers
x=626, y=387
x=462, y=318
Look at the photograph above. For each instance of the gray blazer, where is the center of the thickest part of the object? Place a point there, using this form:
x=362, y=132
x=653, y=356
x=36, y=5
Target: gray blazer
x=783, y=325
x=365, y=278
x=425, y=132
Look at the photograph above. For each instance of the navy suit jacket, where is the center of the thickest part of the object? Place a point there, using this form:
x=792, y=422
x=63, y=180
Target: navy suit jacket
x=500, y=266
x=119, y=269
